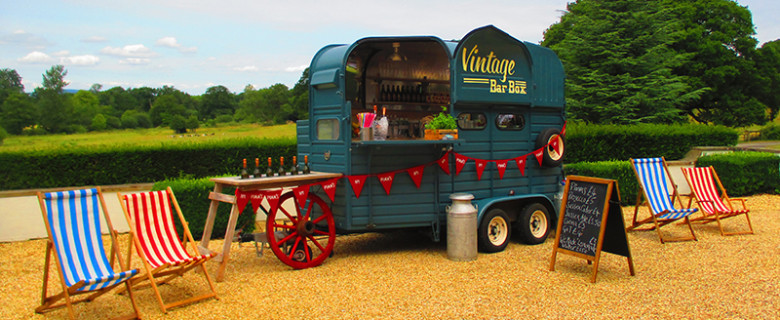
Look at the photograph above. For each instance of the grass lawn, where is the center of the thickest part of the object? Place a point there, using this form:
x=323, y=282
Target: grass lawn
x=154, y=136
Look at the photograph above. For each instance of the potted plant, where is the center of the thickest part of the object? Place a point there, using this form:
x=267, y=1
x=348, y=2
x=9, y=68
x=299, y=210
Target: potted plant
x=441, y=125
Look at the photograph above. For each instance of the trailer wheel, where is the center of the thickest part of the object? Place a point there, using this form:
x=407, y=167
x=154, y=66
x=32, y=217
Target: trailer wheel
x=551, y=156
x=533, y=224
x=301, y=239
x=494, y=231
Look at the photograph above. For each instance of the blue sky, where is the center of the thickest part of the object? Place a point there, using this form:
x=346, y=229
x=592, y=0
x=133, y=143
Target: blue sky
x=196, y=44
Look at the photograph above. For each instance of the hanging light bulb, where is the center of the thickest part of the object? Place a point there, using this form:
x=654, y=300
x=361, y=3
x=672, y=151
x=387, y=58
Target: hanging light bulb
x=396, y=56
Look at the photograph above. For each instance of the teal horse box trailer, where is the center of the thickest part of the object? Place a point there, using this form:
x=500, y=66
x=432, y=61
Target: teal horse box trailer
x=507, y=97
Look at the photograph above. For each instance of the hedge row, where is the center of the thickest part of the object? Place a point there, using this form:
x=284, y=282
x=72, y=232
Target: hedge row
x=132, y=164
x=192, y=196
x=742, y=173
x=586, y=142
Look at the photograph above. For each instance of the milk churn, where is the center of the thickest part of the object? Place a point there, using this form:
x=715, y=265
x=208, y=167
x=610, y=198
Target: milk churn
x=461, y=228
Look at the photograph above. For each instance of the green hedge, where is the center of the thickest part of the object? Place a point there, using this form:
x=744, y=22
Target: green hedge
x=192, y=195
x=746, y=173
x=586, y=142
x=132, y=164
x=616, y=170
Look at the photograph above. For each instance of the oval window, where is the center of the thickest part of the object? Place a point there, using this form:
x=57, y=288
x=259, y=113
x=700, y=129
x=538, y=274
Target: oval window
x=510, y=121
x=471, y=121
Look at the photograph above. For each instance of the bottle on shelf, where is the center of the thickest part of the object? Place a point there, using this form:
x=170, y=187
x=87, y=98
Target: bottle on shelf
x=256, y=173
x=244, y=172
x=294, y=167
x=281, y=170
x=269, y=172
x=306, y=169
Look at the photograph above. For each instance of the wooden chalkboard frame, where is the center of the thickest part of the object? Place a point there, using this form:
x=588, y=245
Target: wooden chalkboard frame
x=612, y=235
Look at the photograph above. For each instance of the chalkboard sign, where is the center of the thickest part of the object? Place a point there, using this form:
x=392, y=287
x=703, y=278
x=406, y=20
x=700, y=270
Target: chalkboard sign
x=591, y=221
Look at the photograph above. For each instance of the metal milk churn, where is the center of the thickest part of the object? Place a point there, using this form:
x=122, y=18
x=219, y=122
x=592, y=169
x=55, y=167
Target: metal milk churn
x=461, y=228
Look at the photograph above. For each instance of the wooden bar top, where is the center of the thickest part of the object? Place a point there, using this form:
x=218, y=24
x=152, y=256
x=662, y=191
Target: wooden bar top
x=275, y=182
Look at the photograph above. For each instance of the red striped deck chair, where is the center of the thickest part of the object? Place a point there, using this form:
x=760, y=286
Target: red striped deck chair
x=157, y=243
x=714, y=206
x=72, y=220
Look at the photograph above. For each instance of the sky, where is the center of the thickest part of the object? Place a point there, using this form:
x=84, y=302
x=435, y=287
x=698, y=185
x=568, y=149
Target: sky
x=196, y=44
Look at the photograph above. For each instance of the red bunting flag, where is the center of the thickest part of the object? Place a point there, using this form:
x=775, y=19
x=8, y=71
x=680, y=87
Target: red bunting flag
x=521, y=164
x=357, y=183
x=481, y=164
x=301, y=193
x=555, y=144
x=329, y=186
x=386, y=179
x=460, y=161
x=563, y=130
x=444, y=163
x=241, y=199
x=539, y=154
x=256, y=198
x=501, y=166
x=416, y=174
x=273, y=199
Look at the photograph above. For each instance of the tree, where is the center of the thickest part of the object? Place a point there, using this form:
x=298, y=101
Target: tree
x=192, y=123
x=10, y=82
x=54, y=78
x=768, y=67
x=18, y=112
x=263, y=105
x=55, y=110
x=85, y=107
x=217, y=100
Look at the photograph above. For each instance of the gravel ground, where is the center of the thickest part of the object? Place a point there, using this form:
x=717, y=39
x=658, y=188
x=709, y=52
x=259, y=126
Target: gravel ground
x=404, y=275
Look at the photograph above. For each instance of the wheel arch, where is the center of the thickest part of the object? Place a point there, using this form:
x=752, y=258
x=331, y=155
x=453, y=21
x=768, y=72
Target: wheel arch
x=513, y=204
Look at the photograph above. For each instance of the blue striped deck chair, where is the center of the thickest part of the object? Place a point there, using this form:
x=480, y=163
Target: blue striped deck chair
x=655, y=183
x=72, y=221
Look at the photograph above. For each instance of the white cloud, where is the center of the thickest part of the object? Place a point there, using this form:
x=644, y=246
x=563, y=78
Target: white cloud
x=36, y=57
x=94, y=39
x=296, y=69
x=132, y=50
x=247, y=69
x=62, y=53
x=135, y=61
x=171, y=42
x=83, y=60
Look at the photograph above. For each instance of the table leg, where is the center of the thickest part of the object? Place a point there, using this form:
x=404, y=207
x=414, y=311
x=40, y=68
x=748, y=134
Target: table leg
x=231, y=228
x=204, y=240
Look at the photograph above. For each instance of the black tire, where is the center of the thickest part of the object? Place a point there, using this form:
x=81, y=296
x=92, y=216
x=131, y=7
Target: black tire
x=551, y=157
x=533, y=224
x=494, y=231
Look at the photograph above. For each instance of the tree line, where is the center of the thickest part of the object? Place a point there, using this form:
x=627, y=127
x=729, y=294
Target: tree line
x=50, y=109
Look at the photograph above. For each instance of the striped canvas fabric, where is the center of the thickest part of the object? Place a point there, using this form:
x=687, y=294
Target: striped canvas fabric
x=74, y=217
x=702, y=184
x=153, y=219
x=655, y=183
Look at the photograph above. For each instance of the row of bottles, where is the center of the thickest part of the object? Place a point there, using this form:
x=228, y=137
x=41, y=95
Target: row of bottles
x=408, y=93
x=280, y=171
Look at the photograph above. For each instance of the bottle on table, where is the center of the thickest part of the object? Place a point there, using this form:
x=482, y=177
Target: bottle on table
x=306, y=169
x=244, y=172
x=294, y=167
x=281, y=170
x=256, y=173
x=269, y=172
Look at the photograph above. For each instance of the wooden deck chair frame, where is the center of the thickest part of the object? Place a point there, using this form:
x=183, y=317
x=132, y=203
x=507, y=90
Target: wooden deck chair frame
x=168, y=270
x=706, y=202
x=53, y=248
x=660, y=219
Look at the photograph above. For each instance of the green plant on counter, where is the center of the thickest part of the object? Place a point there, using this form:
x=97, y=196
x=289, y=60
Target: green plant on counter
x=442, y=121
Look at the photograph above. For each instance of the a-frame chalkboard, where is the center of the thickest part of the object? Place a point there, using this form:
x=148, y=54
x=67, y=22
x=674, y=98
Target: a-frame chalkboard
x=591, y=221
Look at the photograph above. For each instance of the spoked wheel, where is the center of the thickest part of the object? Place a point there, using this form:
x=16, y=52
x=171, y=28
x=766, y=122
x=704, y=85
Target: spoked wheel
x=307, y=237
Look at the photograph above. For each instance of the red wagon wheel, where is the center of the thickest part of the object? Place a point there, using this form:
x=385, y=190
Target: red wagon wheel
x=304, y=237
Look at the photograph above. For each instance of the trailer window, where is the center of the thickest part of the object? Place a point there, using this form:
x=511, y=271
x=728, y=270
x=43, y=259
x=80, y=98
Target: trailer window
x=510, y=121
x=328, y=129
x=471, y=121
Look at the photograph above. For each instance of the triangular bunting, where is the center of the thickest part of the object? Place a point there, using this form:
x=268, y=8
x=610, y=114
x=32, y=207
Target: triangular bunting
x=481, y=164
x=444, y=163
x=357, y=183
x=563, y=130
x=256, y=198
x=555, y=144
x=273, y=199
x=460, y=162
x=301, y=193
x=386, y=179
x=416, y=174
x=521, y=164
x=539, y=154
x=501, y=166
x=329, y=186
x=241, y=199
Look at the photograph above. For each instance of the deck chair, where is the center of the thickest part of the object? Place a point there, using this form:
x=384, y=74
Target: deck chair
x=72, y=220
x=654, y=181
x=157, y=243
x=714, y=207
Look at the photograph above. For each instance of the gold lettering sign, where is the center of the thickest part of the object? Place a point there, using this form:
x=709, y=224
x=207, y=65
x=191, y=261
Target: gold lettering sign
x=473, y=62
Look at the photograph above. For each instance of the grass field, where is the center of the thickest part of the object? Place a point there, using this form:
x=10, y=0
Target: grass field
x=154, y=136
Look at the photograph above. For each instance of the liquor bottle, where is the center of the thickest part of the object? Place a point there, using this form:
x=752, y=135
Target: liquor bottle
x=244, y=172
x=294, y=167
x=256, y=173
x=269, y=172
x=306, y=169
x=281, y=170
